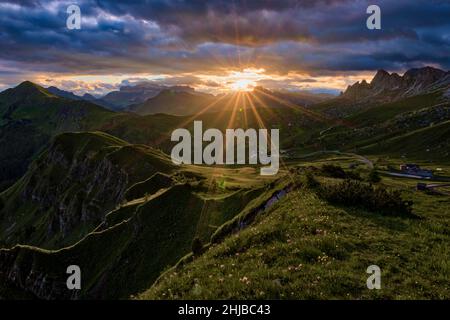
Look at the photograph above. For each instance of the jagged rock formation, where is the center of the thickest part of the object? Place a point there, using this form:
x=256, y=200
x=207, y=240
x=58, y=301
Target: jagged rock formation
x=386, y=86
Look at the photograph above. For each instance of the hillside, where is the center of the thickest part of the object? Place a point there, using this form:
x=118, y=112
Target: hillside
x=305, y=247
x=410, y=117
x=432, y=143
x=389, y=110
x=29, y=117
x=93, y=195
x=134, y=243
x=112, y=194
x=71, y=186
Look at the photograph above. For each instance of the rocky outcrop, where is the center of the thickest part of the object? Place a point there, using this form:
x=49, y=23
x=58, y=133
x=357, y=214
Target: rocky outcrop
x=385, y=81
x=417, y=80
x=70, y=205
x=19, y=270
x=387, y=86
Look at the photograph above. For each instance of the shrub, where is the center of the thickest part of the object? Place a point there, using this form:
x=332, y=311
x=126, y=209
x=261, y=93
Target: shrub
x=197, y=246
x=333, y=171
x=373, y=176
x=310, y=180
x=2, y=204
x=355, y=193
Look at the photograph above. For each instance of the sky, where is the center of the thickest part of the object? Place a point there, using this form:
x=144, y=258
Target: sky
x=218, y=45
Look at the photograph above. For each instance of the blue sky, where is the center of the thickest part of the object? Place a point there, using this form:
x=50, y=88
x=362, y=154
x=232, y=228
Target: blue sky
x=303, y=44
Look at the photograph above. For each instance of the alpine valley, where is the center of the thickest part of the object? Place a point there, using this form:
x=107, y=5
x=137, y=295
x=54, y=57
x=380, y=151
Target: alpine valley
x=88, y=181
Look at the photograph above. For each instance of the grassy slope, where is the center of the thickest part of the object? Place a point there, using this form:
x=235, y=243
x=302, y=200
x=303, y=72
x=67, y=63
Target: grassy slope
x=134, y=245
x=80, y=174
x=29, y=117
x=141, y=237
x=378, y=124
x=305, y=248
x=389, y=110
x=427, y=143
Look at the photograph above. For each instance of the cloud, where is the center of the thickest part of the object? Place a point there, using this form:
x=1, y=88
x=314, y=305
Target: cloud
x=180, y=39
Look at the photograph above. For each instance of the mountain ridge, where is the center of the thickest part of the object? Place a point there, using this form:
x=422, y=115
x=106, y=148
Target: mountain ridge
x=385, y=85
x=30, y=116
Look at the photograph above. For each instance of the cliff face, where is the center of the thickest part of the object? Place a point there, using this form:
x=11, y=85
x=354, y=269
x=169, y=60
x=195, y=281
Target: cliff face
x=70, y=188
x=71, y=206
x=390, y=86
x=19, y=270
x=127, y=252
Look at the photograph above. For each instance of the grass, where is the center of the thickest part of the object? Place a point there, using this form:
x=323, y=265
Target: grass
x=375, y=125
x=300, y=247
x=138, y=238
x=427, y=143
x=137, y=244
x=307, y=248
x=72, y=185
x=387, y=111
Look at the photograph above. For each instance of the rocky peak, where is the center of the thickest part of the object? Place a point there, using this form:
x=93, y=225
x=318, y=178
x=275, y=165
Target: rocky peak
x=423, y=76
x=385, y=84
x=380, y=76
x=384, y=80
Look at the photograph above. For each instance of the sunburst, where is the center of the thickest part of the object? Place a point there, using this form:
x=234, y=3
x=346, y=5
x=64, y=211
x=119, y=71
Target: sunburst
x=245, y=85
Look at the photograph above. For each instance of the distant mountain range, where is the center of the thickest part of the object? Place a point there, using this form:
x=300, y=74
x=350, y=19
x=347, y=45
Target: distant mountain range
x=70, y=95
x=114, y=100
x=31, y=115
x=188, y=101
x=388, y=87
x=145, y=98
x=128, y=97
x=176, y=101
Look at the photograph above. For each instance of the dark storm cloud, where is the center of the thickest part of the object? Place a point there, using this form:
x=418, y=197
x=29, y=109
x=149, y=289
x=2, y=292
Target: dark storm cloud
x=176, y=36
x=187, y=80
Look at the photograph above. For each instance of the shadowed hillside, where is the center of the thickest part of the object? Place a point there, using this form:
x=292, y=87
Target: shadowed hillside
x=71, y=186
x=29, y=117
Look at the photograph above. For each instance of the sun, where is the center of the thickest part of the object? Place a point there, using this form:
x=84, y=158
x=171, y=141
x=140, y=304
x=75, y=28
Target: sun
x=242, y=85
x=243, y=80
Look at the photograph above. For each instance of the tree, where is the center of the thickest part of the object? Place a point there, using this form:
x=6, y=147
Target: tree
x=374, y=177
